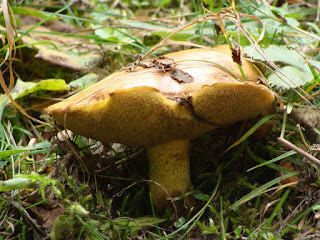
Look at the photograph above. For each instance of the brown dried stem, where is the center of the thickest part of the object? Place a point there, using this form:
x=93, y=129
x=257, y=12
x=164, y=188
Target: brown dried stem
x=299, y=150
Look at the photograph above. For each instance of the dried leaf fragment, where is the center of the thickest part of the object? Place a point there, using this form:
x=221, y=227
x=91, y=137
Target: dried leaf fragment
x=236, y=55
x=164, y=63
x=181, y=76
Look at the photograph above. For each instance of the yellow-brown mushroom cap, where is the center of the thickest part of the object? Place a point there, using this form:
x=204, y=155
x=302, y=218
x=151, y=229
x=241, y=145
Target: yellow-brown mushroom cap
x=145, y=107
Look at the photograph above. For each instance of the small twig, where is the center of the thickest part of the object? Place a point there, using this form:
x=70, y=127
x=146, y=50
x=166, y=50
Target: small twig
x=299, y=150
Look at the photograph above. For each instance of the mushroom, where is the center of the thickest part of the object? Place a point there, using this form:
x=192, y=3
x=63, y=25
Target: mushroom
x=162, y=104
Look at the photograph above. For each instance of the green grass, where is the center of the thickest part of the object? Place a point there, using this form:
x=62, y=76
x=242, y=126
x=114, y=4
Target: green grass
x=101, y=191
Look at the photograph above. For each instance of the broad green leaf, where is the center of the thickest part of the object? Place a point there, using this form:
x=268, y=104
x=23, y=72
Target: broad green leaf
x=84, y=81
x=272, y=26
x=151, y=39
x=22, y=88
x=277, y=53
x=4, y=100
x=145, y=25
x=201, y=196
x=264, y=11
x=294, y=77
x=112, y=35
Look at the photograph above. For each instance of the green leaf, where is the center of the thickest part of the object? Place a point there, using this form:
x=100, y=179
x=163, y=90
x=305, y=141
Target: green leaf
x=16, y=183
x=186, y=34
x=201, y=196
x=261, y=190
x=251, y=131
x=285, y=155
x=22, y=89
x=42, y=181
x=144, y=25
x=84, y=81
x=293, y=77
x=137, y=223
x=31, y=12
x=7, y=153
x=277, y=53
x=111, y=35
x=62, y=226
x=181, y=221
x=3, y=163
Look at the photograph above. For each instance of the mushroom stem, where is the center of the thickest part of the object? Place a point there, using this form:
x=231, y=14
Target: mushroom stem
x=169, y=167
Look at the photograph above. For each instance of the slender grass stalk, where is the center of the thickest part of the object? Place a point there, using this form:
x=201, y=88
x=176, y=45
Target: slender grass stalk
x=154, y=214
x=223, y=231
x=250, y=132
x=260, y=190
x=275, y=212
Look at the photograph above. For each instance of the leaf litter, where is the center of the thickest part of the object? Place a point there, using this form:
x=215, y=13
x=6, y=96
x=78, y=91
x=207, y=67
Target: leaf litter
x=71, y=52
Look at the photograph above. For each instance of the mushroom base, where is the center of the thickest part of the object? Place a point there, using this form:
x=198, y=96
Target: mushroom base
x=170, y=170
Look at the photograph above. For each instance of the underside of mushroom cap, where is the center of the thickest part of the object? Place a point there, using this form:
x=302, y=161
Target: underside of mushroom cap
x=139, y=116
x=225, y=103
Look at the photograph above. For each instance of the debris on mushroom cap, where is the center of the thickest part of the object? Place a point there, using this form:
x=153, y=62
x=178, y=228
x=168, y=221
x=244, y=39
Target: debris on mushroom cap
x=219, y=56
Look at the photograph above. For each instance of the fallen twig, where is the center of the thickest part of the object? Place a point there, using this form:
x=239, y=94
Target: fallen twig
x=299, y=150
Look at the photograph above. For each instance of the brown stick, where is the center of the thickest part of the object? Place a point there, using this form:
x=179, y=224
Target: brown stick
x=299, y=150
